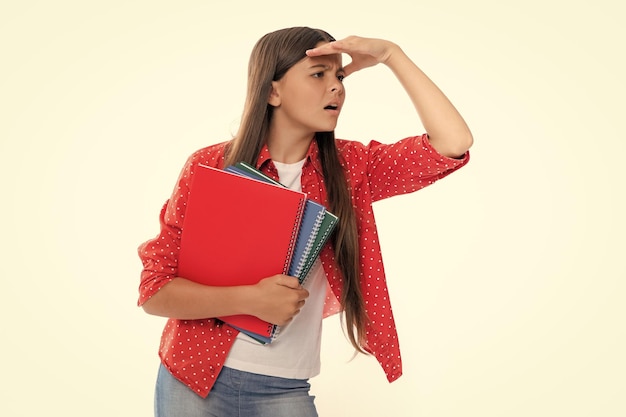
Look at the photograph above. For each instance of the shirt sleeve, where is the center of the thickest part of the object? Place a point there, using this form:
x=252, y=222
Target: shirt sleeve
x=406, y=166
x=159, y=256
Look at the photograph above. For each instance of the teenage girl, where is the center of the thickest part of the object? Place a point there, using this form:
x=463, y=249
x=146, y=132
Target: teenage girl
x=294, y=97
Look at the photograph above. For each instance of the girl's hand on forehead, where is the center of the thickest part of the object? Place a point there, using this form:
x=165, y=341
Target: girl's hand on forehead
x=365, y=52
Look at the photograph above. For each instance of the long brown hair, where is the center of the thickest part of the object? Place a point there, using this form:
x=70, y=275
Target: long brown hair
x=271, y=58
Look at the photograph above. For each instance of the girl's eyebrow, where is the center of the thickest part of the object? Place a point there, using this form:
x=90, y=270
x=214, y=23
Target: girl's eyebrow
x=325, y=67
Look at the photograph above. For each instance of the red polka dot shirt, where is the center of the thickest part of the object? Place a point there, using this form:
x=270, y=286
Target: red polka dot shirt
x=194, y=350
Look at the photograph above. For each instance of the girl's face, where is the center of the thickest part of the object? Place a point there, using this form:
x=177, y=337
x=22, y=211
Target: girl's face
x=309, y=97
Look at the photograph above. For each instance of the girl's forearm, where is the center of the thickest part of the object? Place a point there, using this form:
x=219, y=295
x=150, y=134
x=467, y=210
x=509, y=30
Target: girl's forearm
x=447, y=131
x=275, y=299
x=187, y=300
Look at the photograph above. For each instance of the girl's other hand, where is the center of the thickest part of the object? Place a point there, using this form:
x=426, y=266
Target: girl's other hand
x=278, y=299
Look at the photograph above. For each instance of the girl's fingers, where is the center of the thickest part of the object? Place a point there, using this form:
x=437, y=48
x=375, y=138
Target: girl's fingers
x=325, y=49
x=365, y=52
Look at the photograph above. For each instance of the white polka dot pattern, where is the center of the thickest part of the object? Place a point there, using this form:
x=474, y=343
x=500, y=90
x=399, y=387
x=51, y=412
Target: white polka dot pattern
x=194, y=350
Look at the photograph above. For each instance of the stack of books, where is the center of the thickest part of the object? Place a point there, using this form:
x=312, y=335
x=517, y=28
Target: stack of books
x=241, y=226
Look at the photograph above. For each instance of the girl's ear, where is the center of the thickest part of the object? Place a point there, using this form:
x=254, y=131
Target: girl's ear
x=274, y=98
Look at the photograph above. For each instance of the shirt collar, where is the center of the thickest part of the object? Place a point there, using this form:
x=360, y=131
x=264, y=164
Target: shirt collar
x=312, y=156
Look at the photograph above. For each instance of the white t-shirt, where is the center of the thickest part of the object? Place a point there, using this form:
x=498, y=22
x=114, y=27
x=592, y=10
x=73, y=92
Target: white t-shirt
x=295, y=353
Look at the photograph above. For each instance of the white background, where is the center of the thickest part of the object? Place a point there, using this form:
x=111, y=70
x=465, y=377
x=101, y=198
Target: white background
x=507, y=278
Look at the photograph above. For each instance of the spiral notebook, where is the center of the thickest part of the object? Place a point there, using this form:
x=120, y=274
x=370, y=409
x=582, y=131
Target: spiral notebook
x=326, y=226
x=312, y=218
x=316, y=226
x=237, y=231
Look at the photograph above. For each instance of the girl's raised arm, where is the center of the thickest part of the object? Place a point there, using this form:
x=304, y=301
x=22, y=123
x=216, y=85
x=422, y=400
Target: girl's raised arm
x=447, y=131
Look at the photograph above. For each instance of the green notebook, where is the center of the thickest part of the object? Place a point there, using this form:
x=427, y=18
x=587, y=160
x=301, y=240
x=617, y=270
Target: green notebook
x=325, y=229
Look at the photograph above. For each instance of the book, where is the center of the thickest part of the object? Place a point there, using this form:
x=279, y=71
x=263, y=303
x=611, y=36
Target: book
x=248, y=170
x=251, y=173
x=312, y=218
x=326, y=228
x=237, y=231
x=316, y=228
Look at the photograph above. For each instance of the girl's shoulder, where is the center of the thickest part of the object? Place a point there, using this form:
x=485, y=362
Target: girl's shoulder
x=347, y=145
x=211, y=155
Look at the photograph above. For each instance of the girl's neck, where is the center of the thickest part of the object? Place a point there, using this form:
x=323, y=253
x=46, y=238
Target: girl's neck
x=287, y=146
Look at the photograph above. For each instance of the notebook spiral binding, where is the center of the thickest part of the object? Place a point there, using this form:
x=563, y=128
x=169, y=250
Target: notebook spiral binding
x=273, y=329
x=294, y=237
x=317, y=249
x=309, y=245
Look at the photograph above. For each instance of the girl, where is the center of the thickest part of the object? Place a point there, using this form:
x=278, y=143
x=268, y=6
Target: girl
x=294, y=98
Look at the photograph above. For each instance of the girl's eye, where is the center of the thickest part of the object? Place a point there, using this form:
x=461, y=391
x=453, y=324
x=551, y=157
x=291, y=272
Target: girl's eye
x=341, y=77
x=318, y=75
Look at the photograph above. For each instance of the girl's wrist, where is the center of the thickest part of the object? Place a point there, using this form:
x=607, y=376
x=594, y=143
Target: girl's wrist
x=392, y=53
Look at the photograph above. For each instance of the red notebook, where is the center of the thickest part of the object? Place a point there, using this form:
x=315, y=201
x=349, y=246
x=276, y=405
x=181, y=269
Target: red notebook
x=237, y=231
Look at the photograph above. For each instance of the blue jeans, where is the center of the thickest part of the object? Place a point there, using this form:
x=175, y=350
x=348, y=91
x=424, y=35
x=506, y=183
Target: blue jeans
x=235, y=394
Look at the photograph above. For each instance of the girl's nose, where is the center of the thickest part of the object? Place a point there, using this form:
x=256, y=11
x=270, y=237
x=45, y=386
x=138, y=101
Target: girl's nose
x=337, y=87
